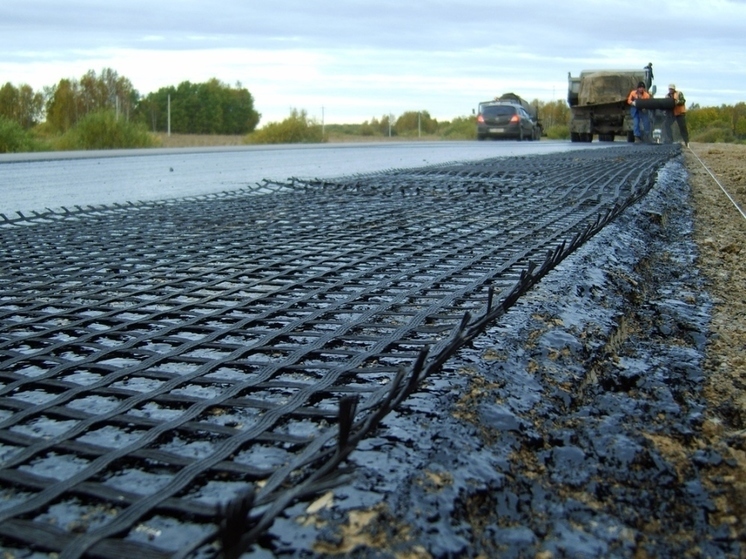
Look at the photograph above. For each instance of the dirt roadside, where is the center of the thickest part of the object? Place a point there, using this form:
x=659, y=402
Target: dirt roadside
x=720, y=234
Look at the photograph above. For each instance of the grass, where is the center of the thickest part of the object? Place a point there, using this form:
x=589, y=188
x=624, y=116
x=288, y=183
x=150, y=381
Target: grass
x=198, y=140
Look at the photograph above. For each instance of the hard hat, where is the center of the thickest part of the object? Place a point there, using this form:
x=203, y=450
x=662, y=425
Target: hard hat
x=671, y=86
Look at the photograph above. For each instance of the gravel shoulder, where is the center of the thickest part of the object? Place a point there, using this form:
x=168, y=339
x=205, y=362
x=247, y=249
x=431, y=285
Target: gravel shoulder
x=720, y=234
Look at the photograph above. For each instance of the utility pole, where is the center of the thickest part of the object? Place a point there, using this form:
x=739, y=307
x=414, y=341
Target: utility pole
x=169, y=115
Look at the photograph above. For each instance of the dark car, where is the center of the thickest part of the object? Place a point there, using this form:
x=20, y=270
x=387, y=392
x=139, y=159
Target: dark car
x=505, y=120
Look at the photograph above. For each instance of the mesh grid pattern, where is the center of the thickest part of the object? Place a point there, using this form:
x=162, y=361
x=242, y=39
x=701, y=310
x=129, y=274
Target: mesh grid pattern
x=159, y=358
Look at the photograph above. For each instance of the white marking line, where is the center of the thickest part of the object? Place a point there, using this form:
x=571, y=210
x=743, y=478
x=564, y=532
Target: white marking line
x=718, y=183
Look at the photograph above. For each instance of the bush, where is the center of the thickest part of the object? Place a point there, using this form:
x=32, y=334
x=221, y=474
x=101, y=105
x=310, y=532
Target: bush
x=104, y=130
x=296, y=129
x=368, y=129
x=460, y=128
x=557, y=132
x=13, y=138
x=717, y=132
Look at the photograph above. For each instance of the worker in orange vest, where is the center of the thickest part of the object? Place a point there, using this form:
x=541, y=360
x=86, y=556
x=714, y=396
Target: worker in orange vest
x=678, y=114
x=640, y=117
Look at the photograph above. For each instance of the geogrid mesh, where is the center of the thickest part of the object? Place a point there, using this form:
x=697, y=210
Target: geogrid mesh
x=159, y=359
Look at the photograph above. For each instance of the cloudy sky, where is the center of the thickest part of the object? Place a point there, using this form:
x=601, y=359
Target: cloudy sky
x=346, y=61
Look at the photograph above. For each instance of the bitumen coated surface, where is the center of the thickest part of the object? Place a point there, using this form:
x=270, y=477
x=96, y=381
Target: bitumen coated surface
x=146, y=386
x=553, y=433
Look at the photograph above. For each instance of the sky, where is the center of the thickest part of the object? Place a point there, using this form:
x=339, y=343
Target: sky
x=348, y=61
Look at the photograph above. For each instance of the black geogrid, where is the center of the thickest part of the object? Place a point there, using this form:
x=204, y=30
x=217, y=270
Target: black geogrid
x=158, y=358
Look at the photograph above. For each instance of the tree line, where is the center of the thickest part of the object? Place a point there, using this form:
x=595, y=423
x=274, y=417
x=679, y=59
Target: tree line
x=200, y=108
x=726, y=123
x=195, y=108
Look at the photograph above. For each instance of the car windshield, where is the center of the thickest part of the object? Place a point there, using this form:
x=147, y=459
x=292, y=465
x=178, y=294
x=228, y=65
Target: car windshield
x=497, y=110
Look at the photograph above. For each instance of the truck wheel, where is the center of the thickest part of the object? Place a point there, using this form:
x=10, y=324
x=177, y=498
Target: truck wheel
x=631, y=137
x=574, y=137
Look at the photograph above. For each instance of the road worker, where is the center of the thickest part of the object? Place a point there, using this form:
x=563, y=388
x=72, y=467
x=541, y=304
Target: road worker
x=678, y=114
x=640, y=117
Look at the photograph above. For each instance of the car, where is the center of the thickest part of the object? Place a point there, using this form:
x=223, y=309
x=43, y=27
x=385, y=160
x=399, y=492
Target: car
x=505, y=120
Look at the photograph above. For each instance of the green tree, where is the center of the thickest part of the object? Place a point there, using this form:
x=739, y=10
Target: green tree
x=739, y=128
x=738, y=120
x=9, y=101
x=370, y=128
x=209, y=118
x=70, y=100
x=412, y=122
x=21, y=104
x=31, y=110
x=184, y=107
x=553, y=113
x=207, y=108
x=386, y=126
x=64, y=105
x=240, y=115
x=698, y=119
x=107, y=91
x=376, y=127
x=726, y=123
x=554, y=117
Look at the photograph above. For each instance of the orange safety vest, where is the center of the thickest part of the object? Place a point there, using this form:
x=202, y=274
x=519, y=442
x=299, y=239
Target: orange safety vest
x=634, y=96
x=677, y=109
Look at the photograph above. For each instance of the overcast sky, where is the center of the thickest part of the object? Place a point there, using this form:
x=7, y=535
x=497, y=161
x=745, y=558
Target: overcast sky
x=347, y=61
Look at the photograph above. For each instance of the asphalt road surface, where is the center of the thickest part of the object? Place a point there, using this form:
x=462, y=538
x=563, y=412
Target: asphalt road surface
x=37, y=181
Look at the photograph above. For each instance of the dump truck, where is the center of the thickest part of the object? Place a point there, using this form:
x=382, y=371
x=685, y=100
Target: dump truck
x=598, y=103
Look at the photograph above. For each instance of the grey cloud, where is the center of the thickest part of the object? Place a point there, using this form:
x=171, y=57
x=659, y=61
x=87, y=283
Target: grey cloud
x=453, y=40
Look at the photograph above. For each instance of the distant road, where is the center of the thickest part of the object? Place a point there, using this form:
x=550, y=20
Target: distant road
x=37, y=181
